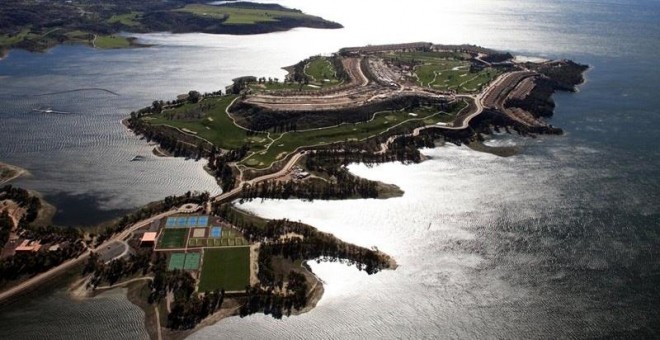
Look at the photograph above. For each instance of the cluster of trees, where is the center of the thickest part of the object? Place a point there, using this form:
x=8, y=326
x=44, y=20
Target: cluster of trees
x=22, y=197
x=266, y=300
x=314, y=245
x=112, y=272
x=188, y=308
x=345, y=185
x=14, y=267
x=6, y=226
x=157, y=106
x=220, y=165
x=565, y=74
x=270, y=80
x=150, y=210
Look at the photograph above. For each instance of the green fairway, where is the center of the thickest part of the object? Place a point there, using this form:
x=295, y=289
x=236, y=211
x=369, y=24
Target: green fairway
x=320, y=68
x=227, y=268
x=292, y=140
x=239, y=16
x=446, y=70
x=211, y=123
x=173, y=238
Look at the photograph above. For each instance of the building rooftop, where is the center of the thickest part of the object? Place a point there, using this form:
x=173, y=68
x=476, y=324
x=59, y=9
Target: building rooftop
x=149, y=237
x=28, y=245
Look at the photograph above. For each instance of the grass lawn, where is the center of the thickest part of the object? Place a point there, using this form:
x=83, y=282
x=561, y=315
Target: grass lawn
x=112, y=41
x=320, y=68
x=128, y=19
x=13, y=39
x=214, y=124
x=454, y=75
x=227, y=268
x=446, y=70
x=239, y=16
x=173, y=238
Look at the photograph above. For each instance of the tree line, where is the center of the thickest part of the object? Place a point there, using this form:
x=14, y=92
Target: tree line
x=149, y=210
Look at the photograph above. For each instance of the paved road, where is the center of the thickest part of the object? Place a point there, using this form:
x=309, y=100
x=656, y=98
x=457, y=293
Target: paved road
x=43, y=277
x=114, y=250
x=230, y=194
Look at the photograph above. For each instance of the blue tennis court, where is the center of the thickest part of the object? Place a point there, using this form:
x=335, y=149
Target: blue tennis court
x=203, y=221
x=187, y=222
x=216, y=232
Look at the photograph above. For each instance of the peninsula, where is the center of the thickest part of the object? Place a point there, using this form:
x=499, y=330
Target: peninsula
x=36, y=26
x=189, y=261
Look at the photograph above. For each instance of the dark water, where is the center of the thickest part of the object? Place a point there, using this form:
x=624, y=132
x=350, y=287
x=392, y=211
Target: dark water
x=561, y=241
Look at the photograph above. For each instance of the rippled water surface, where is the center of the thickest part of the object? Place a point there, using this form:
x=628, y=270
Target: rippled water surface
x=560, y=241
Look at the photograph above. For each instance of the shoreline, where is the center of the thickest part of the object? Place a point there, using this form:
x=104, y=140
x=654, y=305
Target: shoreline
x=13, y=170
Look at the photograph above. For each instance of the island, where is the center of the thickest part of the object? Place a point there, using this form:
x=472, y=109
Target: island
x=36, y=26
x=191, y=260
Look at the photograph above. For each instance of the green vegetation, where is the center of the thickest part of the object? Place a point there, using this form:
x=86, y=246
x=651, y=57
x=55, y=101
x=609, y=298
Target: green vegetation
x=227, y=235
x=240, y=16
x=382, y=121
x=128, y=19
x=445, y=70
x=173, y=238
x=11, y=39
x=320, y=69
x=225, y=268
x=36, y=26
x=212, y=124
x=111, y=41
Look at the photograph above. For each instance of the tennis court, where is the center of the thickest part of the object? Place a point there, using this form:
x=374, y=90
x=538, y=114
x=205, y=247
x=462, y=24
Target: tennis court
x=199, y=232
x=216, y=232
x=192, y=261
x=176, y=261
x=203, y=221
x=187, y=222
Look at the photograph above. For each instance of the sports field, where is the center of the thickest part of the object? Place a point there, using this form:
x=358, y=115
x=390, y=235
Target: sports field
x=173, y=238
x=188, y=261
x=186, y=221
x=227, y=268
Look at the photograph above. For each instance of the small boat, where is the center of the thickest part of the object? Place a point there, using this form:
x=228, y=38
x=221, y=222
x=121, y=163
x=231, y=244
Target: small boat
x=138, y=158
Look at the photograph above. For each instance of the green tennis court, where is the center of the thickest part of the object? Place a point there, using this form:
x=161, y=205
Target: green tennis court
x=176, y=261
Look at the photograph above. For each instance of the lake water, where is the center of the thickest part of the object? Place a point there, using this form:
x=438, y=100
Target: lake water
x=560, y=241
